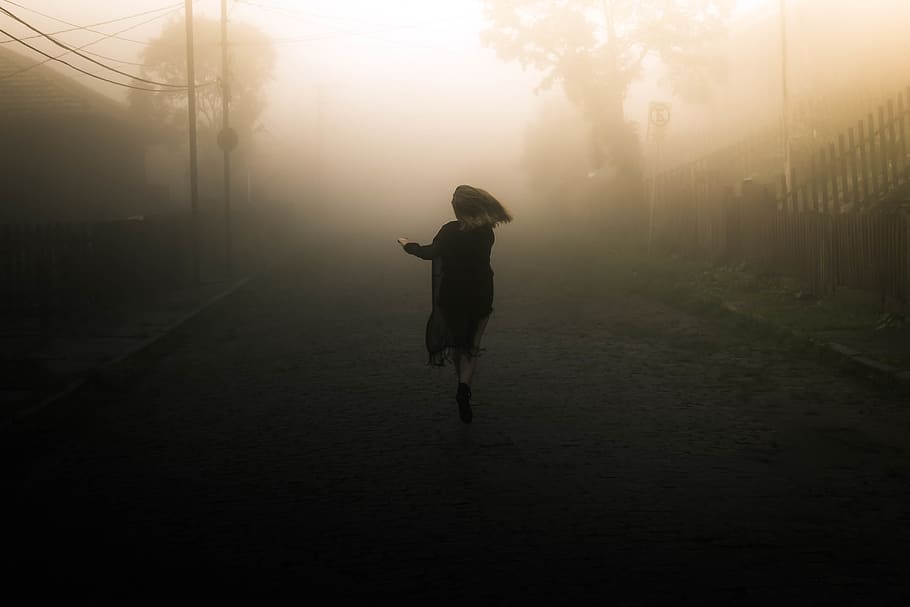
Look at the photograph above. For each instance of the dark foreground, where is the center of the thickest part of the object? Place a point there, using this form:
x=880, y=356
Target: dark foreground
x=292, y=441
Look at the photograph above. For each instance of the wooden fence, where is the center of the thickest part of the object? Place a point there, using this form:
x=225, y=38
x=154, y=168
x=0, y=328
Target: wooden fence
x=859, y=168
x=844, y=220
x=51, y=268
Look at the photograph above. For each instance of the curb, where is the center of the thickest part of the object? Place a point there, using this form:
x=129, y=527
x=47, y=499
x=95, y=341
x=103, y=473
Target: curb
x=78, y=384
x=849, y=354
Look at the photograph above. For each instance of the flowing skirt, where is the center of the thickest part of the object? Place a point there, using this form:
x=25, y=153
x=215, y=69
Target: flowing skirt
x=459, y=305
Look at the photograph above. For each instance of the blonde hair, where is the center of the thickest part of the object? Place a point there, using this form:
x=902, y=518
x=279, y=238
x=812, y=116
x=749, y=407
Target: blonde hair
x=476, y=208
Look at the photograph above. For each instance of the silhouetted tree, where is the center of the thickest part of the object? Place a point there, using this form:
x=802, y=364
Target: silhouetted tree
x=554, y=154
x=596, y=48
x=252, y=59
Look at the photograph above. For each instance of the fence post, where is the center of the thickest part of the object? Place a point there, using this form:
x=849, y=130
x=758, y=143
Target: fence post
x=823, y=180
x=733, y=214
x=892, y=146
x=831, y=175
x=873, y=160
x=851, y=141
x=883, y=151
x=863, y=162
x=877, y=249
x=842, y=153
x=6, y=258
x=901, y=115
x=813, y=170
x=783, y=203
x=834, y=270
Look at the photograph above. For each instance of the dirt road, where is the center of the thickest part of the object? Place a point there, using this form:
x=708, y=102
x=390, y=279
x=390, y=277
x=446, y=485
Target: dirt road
x=293, y=439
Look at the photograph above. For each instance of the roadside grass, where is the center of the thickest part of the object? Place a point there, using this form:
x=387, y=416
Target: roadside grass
x=772, y=307
x=707, y=289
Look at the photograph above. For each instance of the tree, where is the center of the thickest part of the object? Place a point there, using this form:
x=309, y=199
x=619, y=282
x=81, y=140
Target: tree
x=555, y=146
x=165, y=61
x=595, y=49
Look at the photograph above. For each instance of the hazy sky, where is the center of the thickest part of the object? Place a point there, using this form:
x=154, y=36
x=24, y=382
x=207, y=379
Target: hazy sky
x=364, y=73
x=333, y=42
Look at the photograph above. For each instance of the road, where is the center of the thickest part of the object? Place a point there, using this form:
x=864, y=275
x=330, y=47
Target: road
x=292, y=439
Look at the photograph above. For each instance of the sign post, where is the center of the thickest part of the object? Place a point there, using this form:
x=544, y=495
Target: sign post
x=227, y=141
x=658, y=119
x=785, y=104
x=191, y=115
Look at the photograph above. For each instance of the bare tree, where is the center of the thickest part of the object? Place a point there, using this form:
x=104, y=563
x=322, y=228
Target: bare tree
x=252, y=61
x=595, y=50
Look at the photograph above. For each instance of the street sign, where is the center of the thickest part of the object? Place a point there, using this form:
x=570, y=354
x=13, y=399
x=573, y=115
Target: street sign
x=659, y=114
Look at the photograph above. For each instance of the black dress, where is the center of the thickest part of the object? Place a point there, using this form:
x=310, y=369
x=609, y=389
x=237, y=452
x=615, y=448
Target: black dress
x=462, y=287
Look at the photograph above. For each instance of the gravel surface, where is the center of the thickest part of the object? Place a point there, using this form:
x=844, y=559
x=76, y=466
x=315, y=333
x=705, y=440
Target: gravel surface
x=293, y=440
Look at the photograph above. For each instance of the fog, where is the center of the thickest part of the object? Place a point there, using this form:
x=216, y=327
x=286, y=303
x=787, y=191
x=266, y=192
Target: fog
x=380, y=108
x=675, y=373
x=386, y=125
x=372, y=112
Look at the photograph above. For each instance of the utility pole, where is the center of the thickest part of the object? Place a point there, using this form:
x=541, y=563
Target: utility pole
x=785, y=99
x=227, y=140
x=320, y=103
x=658, y=119
x=191, y=111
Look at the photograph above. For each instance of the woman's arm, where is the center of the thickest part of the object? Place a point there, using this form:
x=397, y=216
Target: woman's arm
x=429, y=251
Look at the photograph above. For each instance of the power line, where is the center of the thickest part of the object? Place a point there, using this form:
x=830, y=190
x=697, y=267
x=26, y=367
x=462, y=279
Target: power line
x=105, y=37
x=388, y=27
x=303, y=14
x=327, y=36
x=88, y=28
x=87, y=73
x=75, y=29
x=114, y=59
x=86, y=57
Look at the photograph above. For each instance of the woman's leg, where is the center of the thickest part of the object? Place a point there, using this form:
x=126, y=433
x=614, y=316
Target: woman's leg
x=457, y=358
x=466, y=359
x=465, y=367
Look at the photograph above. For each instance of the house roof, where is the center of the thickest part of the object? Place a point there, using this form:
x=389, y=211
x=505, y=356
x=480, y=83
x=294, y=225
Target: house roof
x=43, y=91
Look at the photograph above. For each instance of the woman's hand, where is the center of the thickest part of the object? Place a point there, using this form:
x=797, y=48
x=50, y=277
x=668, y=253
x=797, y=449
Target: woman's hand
x=411, y=248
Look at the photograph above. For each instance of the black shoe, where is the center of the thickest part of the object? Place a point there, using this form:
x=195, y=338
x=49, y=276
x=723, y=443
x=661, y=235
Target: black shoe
x=463, y=397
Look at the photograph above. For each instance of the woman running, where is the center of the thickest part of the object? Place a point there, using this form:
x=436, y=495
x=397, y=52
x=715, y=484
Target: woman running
x=462, y=285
